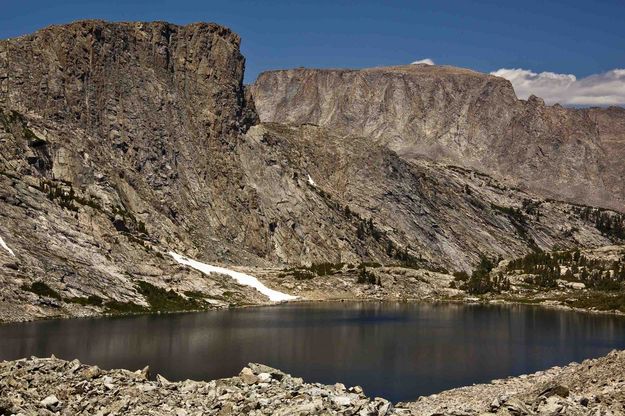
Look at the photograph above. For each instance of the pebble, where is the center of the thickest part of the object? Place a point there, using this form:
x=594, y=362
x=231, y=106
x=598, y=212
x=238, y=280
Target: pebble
x=597, y=387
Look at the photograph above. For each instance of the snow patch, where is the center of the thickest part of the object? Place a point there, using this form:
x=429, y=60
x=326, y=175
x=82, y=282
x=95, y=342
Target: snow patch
x=4, y=246
x=241, y=278
x=310, y=181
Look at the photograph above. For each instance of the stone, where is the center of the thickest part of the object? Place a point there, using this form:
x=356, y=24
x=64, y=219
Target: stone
x=517, y=407
x=51, y=402
x=145, y=372
x=248, y=376
x=133, y=152
x=264, y=377
x=339, y=387
x=33, y=378
x=162, y=381
x=91, y=372
x=557, y=389
x=341, y=401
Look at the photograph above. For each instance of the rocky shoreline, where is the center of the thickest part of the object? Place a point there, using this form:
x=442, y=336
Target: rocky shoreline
x=51, y=386
x=90, y=313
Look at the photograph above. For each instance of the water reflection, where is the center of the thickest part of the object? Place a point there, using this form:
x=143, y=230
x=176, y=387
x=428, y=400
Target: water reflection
x=394, y=350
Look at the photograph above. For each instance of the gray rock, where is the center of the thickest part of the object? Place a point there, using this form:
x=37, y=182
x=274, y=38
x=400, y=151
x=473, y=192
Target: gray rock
x=51, y=402
x=341, y=401
x=480, y=125
x=248, y=376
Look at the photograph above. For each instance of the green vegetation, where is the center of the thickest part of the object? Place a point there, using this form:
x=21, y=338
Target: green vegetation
x=518, y=221
x=367, y=277
x=114, y=306
x=367, y=231
x=162, y=300
x=159, y=299
x=600, y=301
x=195, y=294
x=481, y=282
x=299, y=274
x=545, y=268
x=325, y=269
x=13, y=118
x=532, y=208
x=124, y=221
x=610, y=223
x=461, y=276
x=371, y=264
x=316, y=269
x=42, y=289
x=92, y=300
x=63, y=194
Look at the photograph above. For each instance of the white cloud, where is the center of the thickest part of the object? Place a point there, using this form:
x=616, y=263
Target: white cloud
x=607, y=88
x=426, y=61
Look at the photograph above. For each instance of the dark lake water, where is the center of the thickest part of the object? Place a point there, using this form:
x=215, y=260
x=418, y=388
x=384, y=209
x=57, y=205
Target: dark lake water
x=397, y=351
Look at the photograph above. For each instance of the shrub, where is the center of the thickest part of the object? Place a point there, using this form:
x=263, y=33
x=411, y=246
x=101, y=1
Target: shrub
x=92, y=300
x=42, y=289
x=481, y=281
x=461, y=276
x=163, y=300
x=115, y=306
x=367, y=277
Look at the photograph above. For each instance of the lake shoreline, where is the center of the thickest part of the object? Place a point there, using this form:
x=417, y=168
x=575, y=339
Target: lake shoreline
x=48, y=385
x=442, y=300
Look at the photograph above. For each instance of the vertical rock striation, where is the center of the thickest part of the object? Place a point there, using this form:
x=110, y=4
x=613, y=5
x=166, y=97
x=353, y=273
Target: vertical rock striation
x=460, y=117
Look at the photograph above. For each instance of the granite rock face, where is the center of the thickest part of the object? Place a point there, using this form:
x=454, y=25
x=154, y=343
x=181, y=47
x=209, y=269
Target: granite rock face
x=445, y=216
x=151, y=110
x=117, y=145
x=460, y=117
x=120, y=142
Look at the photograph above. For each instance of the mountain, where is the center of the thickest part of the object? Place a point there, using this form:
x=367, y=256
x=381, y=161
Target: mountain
x=117, y=146
x=460, y=117
x=123, y=142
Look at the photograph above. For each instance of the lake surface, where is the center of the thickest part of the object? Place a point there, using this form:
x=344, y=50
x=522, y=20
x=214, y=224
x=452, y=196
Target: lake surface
x=394, y=350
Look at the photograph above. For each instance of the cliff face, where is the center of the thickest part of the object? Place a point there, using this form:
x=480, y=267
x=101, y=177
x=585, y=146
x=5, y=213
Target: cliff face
x=460, y=117
x=122, y=141
x=156, y=109
x=331, y=199
x=116, y=146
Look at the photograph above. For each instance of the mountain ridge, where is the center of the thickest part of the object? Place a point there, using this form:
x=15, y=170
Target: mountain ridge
x=461, y=117
x=122, y=142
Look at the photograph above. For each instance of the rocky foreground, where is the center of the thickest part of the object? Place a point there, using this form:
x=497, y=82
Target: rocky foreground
x=49, y=386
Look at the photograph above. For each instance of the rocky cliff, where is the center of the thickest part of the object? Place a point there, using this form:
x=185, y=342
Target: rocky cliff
x=117, y=145
x=122, y=141
x=460, y=117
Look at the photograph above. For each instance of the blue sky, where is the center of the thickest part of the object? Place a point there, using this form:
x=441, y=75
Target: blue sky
x=575, y=37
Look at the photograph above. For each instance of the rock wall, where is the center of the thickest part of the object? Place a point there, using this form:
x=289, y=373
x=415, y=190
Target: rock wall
x=460, y=117
x=122, y=141
x=163, y=104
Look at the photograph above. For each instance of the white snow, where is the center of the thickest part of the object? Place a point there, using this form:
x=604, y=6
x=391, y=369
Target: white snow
x=4, y=246
x=310, y=181
x=241, y=278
